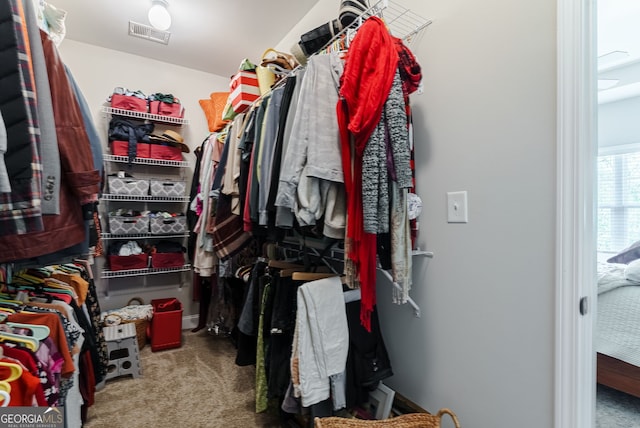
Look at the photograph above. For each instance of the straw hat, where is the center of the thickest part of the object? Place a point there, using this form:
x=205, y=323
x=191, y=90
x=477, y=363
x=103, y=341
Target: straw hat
x=171, y=137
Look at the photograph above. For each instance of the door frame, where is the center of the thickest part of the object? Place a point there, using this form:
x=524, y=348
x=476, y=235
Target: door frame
x=575, y=368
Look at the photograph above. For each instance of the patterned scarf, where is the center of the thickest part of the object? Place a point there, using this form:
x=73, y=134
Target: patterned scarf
x=410, y=71
x=365, y=84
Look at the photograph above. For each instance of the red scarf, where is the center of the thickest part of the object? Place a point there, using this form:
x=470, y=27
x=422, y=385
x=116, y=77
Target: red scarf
x=368, y=74
x=410, y=71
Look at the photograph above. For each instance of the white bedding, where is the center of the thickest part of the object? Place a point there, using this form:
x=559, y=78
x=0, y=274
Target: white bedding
x=618, y=322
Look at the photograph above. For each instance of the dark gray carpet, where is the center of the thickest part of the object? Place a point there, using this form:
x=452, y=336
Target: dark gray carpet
x=616, y=409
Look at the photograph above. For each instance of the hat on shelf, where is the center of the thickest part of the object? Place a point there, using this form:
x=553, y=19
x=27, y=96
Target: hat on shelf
x=299, y=54
x=314, y=40
x=171, y=137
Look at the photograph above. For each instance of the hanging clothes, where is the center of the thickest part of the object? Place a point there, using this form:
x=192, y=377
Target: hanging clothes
x=320, y=343
x=20, y=210
x=327, y=154
x=48, y=139
x=311, y=179
x=73, y=355
x=79, y=183
x=5, y=184
x=363, y=92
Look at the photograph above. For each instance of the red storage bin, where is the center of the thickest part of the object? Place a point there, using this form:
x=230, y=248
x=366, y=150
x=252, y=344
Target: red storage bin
x=121, y=148
x=165, y=329
x=160, y=151
x=165, y=260
x=166, y=109
x=139, y=261
x=129, y=102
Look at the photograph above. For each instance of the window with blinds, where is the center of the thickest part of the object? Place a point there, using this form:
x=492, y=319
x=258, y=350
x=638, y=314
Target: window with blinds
x=618, y=198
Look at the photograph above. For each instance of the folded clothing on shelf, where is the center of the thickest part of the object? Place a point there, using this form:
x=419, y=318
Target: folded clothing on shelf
x=125, y=99
x=156, y=103
x=128, y=222
x=162, y=223
x=165, y=105
x=129, y=137
x=125, y=255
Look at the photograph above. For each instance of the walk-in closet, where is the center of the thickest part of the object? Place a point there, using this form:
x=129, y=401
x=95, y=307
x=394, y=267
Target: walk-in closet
x=277, y=214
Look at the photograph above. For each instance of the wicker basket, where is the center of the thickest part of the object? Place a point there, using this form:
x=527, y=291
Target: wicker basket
x=140, y=324
x=410, y=420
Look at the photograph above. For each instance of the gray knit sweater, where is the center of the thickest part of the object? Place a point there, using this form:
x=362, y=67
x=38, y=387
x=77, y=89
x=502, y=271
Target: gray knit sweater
x=392, y=129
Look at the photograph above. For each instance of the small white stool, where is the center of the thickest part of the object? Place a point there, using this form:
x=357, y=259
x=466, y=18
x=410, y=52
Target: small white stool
x=122, y=346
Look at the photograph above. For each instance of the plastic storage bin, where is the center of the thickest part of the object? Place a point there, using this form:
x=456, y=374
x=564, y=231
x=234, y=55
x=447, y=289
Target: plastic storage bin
x=166, y=324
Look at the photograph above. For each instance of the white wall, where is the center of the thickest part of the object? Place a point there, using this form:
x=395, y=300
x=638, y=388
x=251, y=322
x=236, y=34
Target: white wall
x=98, y=71
x=486, y=123
x=323, y=12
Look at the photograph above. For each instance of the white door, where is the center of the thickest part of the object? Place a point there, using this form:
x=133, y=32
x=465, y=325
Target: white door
x=617, y=48
x=575, y=232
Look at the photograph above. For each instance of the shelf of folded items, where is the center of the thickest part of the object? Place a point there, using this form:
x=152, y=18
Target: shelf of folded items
x=143, y=272
x=146, y=198
x=145, y=116
x=110, y=236
x=147, y=161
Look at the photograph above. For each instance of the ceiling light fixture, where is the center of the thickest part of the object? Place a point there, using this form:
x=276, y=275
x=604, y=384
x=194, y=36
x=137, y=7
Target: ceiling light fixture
x=159, y=16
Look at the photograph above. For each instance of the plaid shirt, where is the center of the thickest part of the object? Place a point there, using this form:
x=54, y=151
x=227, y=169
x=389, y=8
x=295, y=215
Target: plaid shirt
x=20, y=210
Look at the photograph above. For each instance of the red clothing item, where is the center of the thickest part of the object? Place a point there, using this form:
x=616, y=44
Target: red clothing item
x=23, y=389
x=79, y=179
x=365, y=84
x=27, y=360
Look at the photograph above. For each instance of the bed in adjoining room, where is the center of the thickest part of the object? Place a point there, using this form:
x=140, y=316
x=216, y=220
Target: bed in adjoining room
x=617, y=338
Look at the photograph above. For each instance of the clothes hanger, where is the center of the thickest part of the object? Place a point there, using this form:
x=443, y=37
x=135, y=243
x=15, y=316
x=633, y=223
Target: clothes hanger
x=57, y=283
x=6, y=396
x=28, y=341
x=38, y=332
x=310, y=276
x=58, y=290
x=9, y=306
x=15, y=371
x=5, y=388
x=279, y=264
x=72, y=268
x=27, y=278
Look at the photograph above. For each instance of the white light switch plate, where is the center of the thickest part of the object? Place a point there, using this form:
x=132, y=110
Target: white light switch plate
x=457, y=207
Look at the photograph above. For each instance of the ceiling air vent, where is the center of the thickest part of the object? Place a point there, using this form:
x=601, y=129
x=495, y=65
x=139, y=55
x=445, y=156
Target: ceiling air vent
x=149, y=33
